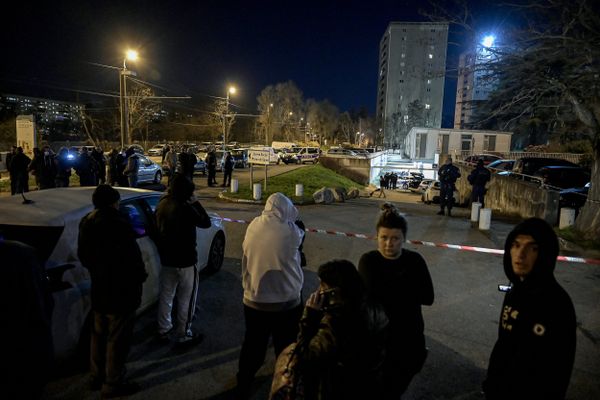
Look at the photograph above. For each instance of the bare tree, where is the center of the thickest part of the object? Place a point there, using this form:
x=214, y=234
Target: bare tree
x=142, y=105
x=280, y=108
x=323, y=118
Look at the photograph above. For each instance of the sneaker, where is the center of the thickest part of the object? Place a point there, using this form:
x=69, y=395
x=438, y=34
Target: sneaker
x=165, y=336
x=120, y=390
x=196, y=338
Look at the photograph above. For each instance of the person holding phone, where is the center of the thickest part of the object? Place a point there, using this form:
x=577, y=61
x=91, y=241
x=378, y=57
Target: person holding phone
x=399, y=280
x=342, y=337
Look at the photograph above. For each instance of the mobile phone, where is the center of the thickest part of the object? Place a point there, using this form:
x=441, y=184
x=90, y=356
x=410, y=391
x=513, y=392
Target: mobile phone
x=504, y=288
x=331, y=298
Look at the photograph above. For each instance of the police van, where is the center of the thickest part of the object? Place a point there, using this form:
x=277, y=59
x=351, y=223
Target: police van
x=308, y=155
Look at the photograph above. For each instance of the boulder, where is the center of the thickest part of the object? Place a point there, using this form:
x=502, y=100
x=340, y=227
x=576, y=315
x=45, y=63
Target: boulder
x=353, y=193
x=339, y=194
x=323, y=195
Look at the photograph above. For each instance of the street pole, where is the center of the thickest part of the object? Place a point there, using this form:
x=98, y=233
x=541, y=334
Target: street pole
x=225, y=121
x=121, y=107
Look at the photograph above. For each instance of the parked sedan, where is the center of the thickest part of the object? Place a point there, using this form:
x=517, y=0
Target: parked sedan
x=156, y=150
x=574, y=197
x=501, y=165
x=148, y=170
x=51, y=225
x=432, y=193
x=487, y=159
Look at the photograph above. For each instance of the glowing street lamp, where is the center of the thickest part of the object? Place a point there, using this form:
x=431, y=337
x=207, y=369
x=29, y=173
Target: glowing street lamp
x=230, y=91
x=130, y=55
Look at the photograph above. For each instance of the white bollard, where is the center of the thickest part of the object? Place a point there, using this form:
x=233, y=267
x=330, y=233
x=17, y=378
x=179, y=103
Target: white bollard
x=299, y=190
x=256, y=191
x=475, y=207
x=567, y=217
x=234, y=186
x=485, y=218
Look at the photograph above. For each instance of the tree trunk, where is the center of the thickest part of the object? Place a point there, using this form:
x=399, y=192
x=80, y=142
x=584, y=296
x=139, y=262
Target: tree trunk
x=588, y=220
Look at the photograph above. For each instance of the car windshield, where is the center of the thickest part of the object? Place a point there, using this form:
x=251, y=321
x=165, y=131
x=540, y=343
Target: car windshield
x=42, y=238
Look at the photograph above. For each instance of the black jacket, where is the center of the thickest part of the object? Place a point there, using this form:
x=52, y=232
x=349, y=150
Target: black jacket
x=401, y=286
x=479, y=176
x=534, y=354
x=107, y=247
x=176, y=237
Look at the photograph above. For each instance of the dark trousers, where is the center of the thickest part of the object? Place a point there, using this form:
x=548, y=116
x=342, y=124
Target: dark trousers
x=478, y=195
x=212, y=172
x=260, y=326
x=227, y=177
x=446, y=196
x=111, y=341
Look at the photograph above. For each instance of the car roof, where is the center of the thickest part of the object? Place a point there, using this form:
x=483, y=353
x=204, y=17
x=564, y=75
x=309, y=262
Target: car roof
x=51, y=205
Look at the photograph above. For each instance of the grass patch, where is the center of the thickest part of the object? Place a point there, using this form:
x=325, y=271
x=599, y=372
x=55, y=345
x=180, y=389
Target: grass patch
x=313, y=178
x=5, y=183
x=572, y=235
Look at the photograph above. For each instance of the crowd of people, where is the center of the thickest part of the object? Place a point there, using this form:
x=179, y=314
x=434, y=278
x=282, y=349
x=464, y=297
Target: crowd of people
x=359, y=335
x=51, y=169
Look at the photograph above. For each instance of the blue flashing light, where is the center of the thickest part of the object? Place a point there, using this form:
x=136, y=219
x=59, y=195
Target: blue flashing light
x=488, y=41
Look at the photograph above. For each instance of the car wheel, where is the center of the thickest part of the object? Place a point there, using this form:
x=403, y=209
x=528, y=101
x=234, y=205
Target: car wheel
x=216, y=254
x=157, y=177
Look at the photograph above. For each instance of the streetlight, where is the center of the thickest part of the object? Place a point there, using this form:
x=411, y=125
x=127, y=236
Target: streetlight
x=130, y=55
x=231, y=90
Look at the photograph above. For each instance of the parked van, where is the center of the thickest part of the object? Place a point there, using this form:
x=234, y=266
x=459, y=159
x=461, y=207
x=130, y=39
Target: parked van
x=283, y=145
x=308, y=154
x=262, y=150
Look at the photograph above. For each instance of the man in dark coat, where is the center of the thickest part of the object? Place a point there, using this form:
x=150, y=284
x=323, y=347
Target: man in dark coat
x=533, y=357
x=478, y=178
x=211, y=166
x=98, y=155
x=448, y=174
x=13, y=180
x=227, y=168
x=19, y=169
x=47, y=169
x=87, y=168
x=107, y=247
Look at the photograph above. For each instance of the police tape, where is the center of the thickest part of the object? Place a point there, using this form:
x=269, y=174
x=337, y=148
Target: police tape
x=580, y=260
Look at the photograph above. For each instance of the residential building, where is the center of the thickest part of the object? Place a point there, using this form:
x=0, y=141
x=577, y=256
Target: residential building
x=425, y=143
x=410, y=89
x=474, y=83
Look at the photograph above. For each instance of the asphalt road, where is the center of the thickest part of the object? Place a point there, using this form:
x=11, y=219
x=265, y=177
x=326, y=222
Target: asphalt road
x=461, y=326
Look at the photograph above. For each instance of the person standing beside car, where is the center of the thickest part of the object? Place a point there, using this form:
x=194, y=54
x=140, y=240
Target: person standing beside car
x=478, y=178
x=117, y=277
x=171, y=163
x=132, y=169
x=19, y=170
x=448, y=174
x=227, y=169
x=178, y=215
x=211, y=166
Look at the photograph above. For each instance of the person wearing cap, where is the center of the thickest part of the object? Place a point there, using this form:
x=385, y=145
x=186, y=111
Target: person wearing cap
x=478, y=178
x=107, y=247
x=178, y=215
x=448, y=174
x=533, y=356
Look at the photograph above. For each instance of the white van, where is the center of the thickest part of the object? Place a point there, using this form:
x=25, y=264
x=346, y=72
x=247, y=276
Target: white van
x=283, y=145
x=262, y=155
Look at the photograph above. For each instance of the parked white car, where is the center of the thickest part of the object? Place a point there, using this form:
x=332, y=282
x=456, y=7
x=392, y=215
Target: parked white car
x=51, y=225
x=156, y=150
x=432, y=193
x=148, y=170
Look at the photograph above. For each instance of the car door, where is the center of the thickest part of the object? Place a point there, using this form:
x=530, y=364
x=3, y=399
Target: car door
x=139, y=214
x=145, y=172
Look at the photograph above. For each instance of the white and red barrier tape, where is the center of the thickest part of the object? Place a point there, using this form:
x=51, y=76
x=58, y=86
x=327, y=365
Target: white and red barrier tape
x=431, y=244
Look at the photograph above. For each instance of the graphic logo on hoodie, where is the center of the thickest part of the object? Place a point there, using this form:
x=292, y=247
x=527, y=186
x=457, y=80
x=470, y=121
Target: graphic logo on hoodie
x=508, y=317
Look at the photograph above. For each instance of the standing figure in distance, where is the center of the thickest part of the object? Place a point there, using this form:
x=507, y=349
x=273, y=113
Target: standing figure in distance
x=117, y=277
x=533, y=357
x=478, y=179
x=399, y=280
x=19, y=169
x=272, y=279
x=132, y=167
x=211, y=166
x=227, y=169
x=448, y=174
x=63, y=167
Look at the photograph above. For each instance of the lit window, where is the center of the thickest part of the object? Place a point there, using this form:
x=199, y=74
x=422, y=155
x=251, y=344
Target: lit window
x=403, y=55
x=427, y=106
x=429, y=81
x=430, y=56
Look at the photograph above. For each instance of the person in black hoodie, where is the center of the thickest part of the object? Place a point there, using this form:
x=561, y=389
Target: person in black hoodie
x=533, y=357
x=117, y=277
x=178, y=214
x=399, y=280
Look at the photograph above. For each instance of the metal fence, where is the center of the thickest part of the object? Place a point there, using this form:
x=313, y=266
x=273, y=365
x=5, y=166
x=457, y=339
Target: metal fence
x=515, y=155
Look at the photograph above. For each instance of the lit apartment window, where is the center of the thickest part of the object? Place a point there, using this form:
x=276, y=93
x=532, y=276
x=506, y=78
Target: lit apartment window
x=427, y=106
x=406, y=119
x=429, y=81
x=430, y=56
x=403, y=55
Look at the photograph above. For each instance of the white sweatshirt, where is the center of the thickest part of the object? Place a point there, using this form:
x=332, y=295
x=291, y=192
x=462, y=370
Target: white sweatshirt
x=271, y=271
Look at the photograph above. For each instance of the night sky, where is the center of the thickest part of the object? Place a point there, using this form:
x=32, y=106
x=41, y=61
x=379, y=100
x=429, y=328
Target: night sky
x=328, y=48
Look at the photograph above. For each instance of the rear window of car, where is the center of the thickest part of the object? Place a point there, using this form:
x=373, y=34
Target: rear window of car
x=42, y=238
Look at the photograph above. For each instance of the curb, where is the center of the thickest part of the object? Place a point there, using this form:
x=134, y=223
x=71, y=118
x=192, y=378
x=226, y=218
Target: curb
x=223, y=196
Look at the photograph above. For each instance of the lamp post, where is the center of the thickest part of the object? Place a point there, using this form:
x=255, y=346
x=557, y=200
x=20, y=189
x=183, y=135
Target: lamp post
x=131, y=55
x=231, y=90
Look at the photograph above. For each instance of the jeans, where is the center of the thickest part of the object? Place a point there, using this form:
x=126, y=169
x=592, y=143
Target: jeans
x=183, y=283
x=110, y=344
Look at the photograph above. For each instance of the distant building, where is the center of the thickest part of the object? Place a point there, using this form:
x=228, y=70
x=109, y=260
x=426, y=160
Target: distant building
x=50, y=115
x=474, y=83
x=410, y=89
x=424, y=143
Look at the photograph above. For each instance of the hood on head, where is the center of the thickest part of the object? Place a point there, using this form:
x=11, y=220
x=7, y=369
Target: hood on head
x=548, y=248
x=278, y=205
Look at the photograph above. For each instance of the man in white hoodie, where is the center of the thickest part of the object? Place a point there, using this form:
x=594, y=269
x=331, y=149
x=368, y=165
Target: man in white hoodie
x=272, y=278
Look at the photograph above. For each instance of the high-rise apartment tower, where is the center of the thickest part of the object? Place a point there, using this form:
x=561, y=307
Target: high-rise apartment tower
x=412, y=70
